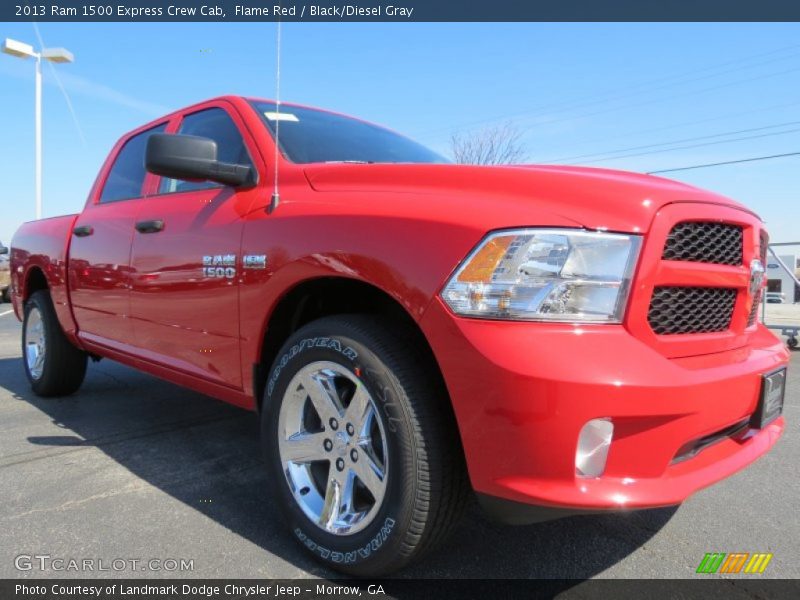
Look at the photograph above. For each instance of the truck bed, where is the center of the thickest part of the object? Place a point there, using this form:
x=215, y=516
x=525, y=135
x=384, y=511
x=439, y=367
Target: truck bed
x=44, y=245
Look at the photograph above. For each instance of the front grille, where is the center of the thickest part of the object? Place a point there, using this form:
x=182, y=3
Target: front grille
x=751, y=318
x=705, y=241
x=691, y=309
x=764, y=244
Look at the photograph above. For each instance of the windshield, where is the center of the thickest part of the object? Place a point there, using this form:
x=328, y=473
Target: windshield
x=313, y=136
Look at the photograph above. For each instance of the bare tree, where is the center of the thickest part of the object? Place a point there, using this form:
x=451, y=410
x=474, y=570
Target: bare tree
x=494, y=145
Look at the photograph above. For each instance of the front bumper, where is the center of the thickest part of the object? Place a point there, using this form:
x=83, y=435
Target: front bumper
x=522, y=391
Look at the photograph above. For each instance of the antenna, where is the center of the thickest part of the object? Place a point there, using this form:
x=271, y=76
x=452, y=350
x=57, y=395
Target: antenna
x=276, y=196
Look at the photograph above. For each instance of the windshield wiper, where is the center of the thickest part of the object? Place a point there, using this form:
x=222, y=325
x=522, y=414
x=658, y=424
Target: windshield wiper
x=349, y=162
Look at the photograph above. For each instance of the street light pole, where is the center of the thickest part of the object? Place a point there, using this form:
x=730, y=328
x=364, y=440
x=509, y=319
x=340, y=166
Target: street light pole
x=57, y=55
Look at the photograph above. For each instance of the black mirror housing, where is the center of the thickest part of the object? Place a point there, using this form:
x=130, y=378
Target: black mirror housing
x=193, y=158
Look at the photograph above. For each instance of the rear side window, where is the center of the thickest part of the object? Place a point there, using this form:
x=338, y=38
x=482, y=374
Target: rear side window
x=126, y=178
x=216, y=124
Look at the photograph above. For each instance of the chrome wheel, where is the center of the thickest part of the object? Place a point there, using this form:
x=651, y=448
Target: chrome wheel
x=332, y=447
x=35, y=343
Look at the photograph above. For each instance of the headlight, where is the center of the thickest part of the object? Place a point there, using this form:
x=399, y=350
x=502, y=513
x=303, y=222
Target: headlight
x=546, y=275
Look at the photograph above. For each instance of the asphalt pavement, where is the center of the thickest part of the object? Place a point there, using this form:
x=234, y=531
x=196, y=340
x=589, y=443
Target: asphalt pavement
x=134, y=469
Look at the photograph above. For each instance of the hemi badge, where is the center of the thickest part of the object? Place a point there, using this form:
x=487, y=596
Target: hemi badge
x=255, y=261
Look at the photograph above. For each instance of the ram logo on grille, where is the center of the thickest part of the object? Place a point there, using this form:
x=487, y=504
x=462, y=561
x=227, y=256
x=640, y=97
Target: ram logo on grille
x=756, y=276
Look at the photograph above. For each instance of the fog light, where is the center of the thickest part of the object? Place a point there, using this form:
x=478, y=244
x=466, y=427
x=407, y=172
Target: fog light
x=593, y=444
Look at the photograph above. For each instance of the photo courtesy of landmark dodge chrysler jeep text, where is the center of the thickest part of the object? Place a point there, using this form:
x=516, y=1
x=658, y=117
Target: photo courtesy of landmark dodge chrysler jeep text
x=555, y=340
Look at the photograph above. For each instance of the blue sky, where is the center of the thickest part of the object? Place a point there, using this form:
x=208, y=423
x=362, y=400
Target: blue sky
x=575, y=90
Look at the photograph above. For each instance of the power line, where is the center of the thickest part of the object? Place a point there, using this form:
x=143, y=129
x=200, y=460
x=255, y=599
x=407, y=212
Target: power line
x=691, y=139
x=739, y=139
x=760, y=110
x=625, y=92
x=727, y=162
x=663, y=98
x=615, y=94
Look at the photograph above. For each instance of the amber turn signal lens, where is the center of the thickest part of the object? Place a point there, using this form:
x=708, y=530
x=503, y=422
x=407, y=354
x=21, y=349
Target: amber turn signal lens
x=485, y=261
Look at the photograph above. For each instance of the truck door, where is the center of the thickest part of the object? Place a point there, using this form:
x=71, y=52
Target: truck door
x=99, y=254
x=185, y=260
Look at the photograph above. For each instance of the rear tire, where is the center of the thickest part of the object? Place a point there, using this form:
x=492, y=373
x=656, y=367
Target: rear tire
x=415, y=488
x=7, y=295
x=53, y=365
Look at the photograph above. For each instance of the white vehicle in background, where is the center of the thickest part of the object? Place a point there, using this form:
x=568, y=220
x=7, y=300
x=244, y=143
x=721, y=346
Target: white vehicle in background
x=776, y=298
x=5, y=275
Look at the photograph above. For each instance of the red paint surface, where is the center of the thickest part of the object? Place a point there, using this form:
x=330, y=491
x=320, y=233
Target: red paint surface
x=521, y=391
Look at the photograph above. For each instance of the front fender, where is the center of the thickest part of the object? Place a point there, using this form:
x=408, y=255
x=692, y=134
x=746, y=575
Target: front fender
x=405, y=245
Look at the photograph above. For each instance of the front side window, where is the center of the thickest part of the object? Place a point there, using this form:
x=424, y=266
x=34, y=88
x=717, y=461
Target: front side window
x=308, y=135
x=126, y=178
x=215, y=124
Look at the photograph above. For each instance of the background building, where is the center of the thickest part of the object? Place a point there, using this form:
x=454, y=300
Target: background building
x=778, y=280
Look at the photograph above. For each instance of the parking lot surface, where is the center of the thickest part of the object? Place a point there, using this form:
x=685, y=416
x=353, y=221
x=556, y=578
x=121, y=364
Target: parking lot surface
x=134, y=468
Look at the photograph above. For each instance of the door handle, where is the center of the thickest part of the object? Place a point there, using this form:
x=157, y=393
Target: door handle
x=83, y=231
x=153, y=226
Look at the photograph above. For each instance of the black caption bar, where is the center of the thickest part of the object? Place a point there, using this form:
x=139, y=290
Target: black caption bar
x=402, y=11
x=702, y=588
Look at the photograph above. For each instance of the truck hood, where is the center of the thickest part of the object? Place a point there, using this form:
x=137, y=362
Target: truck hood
x=592, y=198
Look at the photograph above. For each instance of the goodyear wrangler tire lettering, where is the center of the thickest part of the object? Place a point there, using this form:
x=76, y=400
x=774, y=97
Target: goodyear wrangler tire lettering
x=361, y=446
x=303, y=345
x=347, y=557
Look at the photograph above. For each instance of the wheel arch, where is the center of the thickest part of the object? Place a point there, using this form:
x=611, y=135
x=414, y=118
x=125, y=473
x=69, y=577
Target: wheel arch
x=38, y=277
x=326, y=296
x=35, y=280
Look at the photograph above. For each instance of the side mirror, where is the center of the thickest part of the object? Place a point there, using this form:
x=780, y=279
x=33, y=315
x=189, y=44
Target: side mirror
x=193, y=158
x=3, y=249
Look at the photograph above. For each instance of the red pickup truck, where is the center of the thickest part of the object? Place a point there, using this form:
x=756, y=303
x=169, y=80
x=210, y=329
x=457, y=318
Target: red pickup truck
x=555, y=340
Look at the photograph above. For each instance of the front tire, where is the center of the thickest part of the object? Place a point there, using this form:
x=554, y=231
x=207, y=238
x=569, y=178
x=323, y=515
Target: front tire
x=362, y=446
x=53, y=365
